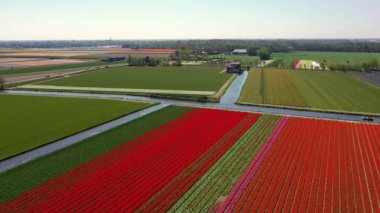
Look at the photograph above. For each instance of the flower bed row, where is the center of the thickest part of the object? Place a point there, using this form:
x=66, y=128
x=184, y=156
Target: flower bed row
x=223, y=161
x=313, y=165
x=170, y=157
x=221, y=177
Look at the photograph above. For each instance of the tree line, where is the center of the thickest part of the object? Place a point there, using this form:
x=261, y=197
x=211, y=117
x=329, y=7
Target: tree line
x=214, y=45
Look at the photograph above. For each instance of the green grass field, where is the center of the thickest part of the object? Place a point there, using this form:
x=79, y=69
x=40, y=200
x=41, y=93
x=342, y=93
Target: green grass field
x=31, y=121
x=355, y=58
x=48, y=68
x=28, y=175
x=335, y=91
x=192, y=78
x=242, y=58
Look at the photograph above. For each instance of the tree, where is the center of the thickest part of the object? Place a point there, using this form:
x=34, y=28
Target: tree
x=178, y=63
x=323, y=66
x=151, y=61
x=2, y=83
x=176, y=54
x=129, y=59
x=252, y=51
x=134, y=61
x=264, y=53
x=371, y=65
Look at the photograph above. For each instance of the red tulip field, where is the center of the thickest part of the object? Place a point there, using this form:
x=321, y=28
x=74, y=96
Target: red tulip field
x=312, y=166
x=222, y=161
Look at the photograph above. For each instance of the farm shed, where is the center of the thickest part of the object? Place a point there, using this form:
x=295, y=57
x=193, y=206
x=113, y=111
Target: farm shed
x=235, y=68
x=240, y=52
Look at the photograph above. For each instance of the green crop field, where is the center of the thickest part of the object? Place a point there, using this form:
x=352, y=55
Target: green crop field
x=31, y=121
x=354, y=58
x=335, y=91
x=192, y=78
x=47, y=68
x=24, y=177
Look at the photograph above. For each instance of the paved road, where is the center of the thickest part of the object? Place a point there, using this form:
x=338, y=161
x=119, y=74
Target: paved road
x=227, y=102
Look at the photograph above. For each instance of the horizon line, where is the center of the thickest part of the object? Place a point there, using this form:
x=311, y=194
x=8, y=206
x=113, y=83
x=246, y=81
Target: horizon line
x=184, y=39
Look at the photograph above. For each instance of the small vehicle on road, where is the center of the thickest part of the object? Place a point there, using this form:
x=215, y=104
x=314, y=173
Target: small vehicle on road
x=367, y=118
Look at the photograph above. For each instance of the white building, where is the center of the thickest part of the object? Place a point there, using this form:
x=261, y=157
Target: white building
x=240, y=52
x=315, y=65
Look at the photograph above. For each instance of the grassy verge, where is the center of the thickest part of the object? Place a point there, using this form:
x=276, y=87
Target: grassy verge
x=26, y=176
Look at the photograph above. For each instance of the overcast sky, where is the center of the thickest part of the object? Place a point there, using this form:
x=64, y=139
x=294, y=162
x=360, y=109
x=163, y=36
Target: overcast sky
x=175, y=19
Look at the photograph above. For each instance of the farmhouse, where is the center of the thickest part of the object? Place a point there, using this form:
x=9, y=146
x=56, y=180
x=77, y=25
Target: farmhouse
x=240, y=52
x=307, y=65
x=235, y=68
